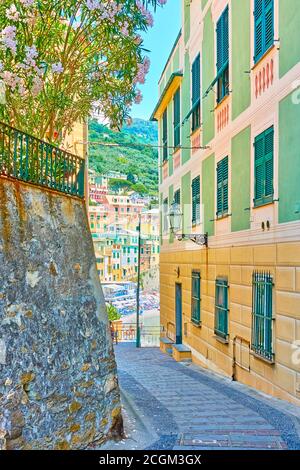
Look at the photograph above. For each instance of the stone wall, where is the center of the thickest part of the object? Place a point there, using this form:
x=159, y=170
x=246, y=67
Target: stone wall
x=58, y=385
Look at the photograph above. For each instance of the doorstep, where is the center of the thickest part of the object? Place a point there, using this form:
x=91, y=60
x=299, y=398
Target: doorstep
x=166, y=345
x=181, y=353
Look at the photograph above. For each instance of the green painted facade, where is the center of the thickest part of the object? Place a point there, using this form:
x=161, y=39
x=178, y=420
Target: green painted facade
x=176, y=60
x=240, y=75
x=289, y=27
x=171, y=197
x=289, y=158
x=240, y=40
x=160, y=153
x=186, y=202
x=208, y=73
x=170, y=136
x=240, y=180
x=208, y=193
x=187, y=20
x=186, y=105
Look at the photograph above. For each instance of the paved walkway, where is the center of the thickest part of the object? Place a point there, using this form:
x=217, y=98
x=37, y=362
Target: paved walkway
x=178, y=406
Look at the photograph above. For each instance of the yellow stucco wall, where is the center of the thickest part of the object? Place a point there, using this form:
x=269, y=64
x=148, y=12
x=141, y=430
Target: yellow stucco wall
x=281, y=379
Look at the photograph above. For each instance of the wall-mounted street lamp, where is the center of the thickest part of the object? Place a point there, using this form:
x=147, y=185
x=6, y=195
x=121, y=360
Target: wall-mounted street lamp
x=175, y=221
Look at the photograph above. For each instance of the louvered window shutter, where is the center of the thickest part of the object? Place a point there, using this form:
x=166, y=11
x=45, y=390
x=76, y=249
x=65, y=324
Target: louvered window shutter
x=259, y=166
x=269, y=143
x=196, y=200
x=258, y=28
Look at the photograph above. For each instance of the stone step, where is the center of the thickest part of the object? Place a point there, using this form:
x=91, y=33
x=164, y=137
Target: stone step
x=165, y=344
x=181, y=353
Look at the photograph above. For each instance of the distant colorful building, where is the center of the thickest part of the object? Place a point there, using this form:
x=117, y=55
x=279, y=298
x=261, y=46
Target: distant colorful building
x=114, y=220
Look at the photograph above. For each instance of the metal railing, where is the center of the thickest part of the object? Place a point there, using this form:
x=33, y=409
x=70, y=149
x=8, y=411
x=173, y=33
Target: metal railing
x=262, y=315
x=29, y=159
x=126, y=333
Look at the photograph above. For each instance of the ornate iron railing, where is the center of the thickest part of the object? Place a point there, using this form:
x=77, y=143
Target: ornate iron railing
x=126, y=333
x=29, y=159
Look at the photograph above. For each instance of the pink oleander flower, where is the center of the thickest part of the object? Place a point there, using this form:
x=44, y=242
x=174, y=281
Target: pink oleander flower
x=138, y=97
x=27, y=3
x=12, y=13
x=37, y=86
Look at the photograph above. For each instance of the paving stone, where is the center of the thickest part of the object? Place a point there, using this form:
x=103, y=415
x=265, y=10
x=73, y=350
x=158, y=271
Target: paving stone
x=189, y=407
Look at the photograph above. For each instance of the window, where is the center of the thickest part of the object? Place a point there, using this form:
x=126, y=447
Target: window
x=165, y=135
x=263, y=167
x=196, y=201
x=165, y=215
x=196, y=93
x=222, y=187
x=263, y=27
x=262, y=307
x=196, y=297
x=177, y=197
x=176, y=101
x=223, y=56
x=221, y=308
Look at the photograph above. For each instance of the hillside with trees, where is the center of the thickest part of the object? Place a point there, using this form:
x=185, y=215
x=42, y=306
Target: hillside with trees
x=138, y=162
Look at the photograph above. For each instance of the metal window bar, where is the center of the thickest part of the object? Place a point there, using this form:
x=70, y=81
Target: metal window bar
x=35, y=161
x=262, y=314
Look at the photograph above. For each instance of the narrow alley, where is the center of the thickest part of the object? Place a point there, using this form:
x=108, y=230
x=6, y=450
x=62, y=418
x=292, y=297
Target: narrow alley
x=181, y=406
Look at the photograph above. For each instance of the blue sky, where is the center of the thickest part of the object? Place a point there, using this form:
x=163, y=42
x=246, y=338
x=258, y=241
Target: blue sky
x=159, y=40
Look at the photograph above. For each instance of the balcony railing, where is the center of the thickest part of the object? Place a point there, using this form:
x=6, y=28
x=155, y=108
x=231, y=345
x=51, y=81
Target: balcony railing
x=29, y=159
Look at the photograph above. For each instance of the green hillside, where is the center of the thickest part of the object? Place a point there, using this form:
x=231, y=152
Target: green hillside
x=140, y=161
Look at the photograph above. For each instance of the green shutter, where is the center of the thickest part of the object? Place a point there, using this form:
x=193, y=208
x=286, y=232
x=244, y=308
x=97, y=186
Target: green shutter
x=269, y=23
x=223, y=39
x=176, y=101
x=196, y=200
x=195, y=111
x=221, y=308
x=219, y=43
x=219, y=188
x=225, y=185
x=177, y=197
x=258, y=29
x=263, y=27
x=225, y=36
x=165, y=135
x=196, y=80
x=264, y=171
x=222, y=187
x=195, y=307
x=269, y=158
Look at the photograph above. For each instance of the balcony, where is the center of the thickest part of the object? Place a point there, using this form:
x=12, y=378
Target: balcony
x=35, y=161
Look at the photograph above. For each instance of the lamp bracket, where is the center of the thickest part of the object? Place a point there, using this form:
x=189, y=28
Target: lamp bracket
x=198, y=238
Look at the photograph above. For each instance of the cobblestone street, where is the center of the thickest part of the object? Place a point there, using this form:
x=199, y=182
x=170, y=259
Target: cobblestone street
x=170, y=405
